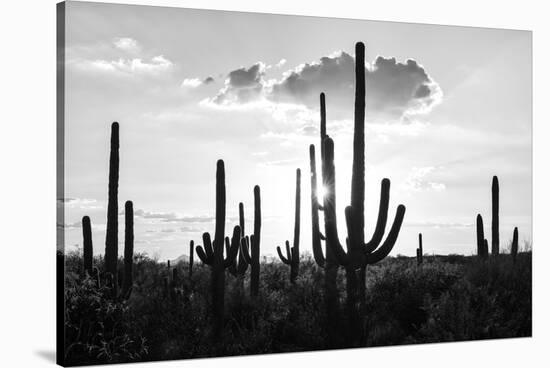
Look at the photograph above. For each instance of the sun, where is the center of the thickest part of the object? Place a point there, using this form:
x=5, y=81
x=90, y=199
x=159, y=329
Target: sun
x=321, y=192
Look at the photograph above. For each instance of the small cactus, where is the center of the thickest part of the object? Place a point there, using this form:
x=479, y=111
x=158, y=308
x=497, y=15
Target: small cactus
x=293, y=253
x=239, y=266
x=495, y=236
x=191, y=251
x=514, y=250
x=481, y=241
x=87, y=245
x=128, y=249
x=419, y=251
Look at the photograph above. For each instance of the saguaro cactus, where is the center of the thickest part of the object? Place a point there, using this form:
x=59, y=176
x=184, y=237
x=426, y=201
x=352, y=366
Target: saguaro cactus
x=514, y=250
x=191, y=251
x=253, y=257
x=88, y=252
x=293, y=253
x=212, y=253
x=419, y=250
x=111, y=238
x=359, y=254
x=328, y=262
x=128, y=249
x=495, y=237
x=239, y=267
x=482, y=245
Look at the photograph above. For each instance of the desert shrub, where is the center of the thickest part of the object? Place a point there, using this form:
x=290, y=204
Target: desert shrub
x=97, y=329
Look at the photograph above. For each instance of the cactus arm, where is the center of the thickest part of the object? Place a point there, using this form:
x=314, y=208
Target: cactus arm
x=207, y=244
x=388, y=244
x=241, y=218
x=322, y=236
x=283, y=259
x=233, y=248
x=331, y=230
x=244, y=249
x=232, y=267
x=382, y=217
x=202, y=255
x=316, y=235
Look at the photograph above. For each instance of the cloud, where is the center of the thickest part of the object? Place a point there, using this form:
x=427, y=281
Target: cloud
x=242, y=85
x=196, y=82
x=171, y=217
x=439, y=225
x=127, y=44
x=281, y=63
x=418, y=180
x=394, y=90
x=191, y=82
x=125, y=66
x=82, y=203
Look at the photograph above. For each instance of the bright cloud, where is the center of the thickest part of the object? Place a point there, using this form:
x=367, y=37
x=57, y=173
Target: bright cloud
x=127, y=44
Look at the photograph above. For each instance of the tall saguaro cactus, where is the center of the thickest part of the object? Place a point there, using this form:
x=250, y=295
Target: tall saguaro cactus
x=495, y=237
x=419, y=250
x=328, y=260
x=111, y=238
x=128, y=248
x=88, y=252
x=359, y=254
x=212, y=253
x=252, y=257
x=293, y=253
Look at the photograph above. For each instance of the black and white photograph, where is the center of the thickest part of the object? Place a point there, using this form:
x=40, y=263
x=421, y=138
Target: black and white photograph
x=235, y=183
x=209, y=183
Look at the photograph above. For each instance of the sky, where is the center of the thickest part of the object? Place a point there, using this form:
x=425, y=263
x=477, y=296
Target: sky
x=447, y=108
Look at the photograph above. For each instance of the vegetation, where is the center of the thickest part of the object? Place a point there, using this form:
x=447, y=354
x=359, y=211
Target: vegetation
x=447, y=299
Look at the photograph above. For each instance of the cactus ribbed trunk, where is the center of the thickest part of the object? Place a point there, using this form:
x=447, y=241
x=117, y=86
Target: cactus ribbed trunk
x=495, y=237
x=255, y=245
x=111, y=238
x=128, y=248
x=88, y=252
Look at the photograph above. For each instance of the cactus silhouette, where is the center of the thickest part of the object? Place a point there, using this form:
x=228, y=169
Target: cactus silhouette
x=514, y=249
x=212, y=254
x=293, y=253
x=252, y=256
x=329, y=262
x=88, y=252
x=359, y=254
x=168, y=264
x=191, y=251
x=239, y=266
x=128, y=249
x=482, y=246
x=419, y=250
x=495, y=238
x=111, y=238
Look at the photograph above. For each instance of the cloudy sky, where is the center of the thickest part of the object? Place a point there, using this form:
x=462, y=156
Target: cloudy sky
x=447, y=108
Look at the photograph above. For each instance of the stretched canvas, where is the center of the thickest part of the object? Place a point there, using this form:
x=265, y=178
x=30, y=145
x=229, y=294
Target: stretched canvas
x=236, y=183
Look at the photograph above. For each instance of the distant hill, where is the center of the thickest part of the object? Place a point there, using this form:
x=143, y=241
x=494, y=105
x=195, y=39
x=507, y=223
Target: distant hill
x=183, y=258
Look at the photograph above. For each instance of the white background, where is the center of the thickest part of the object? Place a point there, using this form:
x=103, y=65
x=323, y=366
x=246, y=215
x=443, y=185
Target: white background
x=27, y=182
